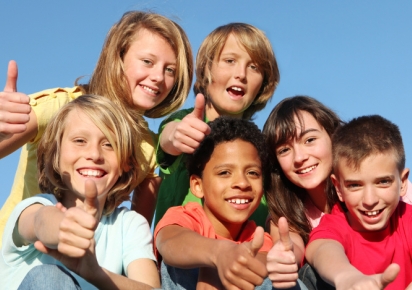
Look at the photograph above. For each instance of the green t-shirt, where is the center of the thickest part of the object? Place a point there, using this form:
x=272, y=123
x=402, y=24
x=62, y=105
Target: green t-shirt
x=174, y=189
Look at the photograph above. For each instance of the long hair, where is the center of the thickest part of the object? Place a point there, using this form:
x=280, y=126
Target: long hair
x=118, y=127
x=108, y=78
x=285, y=198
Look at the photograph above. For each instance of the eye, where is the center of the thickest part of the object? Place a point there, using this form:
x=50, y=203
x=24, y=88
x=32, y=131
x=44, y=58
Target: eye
x=282, y=151
x=385, y=182
x=310, y=140
x=353, y=186
x=147, y=61
x=79, y=141
x=254, y=67
x=170, y=70
x=223, y=173
x=254, y=173
x=229, y=60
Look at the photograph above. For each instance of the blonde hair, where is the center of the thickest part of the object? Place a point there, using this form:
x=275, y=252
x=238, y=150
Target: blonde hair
x=257, y=46
x=118, y=127
x=108, y=78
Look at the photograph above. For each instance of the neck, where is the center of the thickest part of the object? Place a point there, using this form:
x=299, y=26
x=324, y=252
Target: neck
x=318, y=198
x=212, y=113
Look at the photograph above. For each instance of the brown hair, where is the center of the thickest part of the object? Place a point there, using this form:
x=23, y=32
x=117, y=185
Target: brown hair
x=257, y=46
x=285, y=198
x=108, y=78
x=364, y=136
x=119, y=129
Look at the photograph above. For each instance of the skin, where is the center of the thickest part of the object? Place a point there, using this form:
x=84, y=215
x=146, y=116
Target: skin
x=66, y=231
x=233, y=172
x=232, y=70
x=150, y=67
x=376, y=185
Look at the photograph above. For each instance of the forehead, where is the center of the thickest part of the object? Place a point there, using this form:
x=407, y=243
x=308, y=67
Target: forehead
x=373, y=166
x=236, y=151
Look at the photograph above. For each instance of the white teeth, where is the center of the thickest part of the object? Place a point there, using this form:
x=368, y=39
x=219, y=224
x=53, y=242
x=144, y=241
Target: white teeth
x=306, y=170
x=238, y=200
x=236, y=89
x=149, y=90
x=372, y=213
x=91, y=173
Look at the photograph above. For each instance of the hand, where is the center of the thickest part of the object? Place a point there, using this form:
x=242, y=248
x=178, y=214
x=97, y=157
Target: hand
x=14, y=107
x=76, y=235
x=281, y=260
x=239, y=267
x=191, y=130
x=377, y=281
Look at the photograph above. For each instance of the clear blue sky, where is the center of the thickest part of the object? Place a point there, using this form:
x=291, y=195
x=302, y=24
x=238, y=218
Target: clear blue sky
x=354, y=56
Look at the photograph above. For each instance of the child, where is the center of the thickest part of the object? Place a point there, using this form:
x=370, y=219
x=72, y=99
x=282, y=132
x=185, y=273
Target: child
x=89, y=163
x=298, y=133
x=215, y=244
x=371, y=229
x=236, y=75
x=145, y=65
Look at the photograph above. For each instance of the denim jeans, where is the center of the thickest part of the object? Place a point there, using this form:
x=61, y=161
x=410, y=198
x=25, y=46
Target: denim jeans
x=49, y=277
x=312, y=280
x=186, y=279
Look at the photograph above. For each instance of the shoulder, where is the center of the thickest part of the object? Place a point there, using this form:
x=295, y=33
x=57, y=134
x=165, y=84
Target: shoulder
x=55, y=93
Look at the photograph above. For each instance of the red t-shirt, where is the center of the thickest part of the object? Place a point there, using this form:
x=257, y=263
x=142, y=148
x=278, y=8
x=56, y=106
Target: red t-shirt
x=193, y=217
x=372, y=252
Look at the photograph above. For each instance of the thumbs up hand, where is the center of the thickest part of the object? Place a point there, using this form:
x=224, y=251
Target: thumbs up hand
x=76, y=246
x=14, y=107
x=238, y=265
x=186, y=135
x=281, y=261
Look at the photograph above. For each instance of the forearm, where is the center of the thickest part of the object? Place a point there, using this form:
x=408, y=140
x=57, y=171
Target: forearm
x=184, y=248
x=330, y=261
x=105, y=279
x=166, y=142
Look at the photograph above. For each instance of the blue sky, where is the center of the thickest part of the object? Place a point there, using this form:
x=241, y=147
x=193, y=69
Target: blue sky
x=354, y=56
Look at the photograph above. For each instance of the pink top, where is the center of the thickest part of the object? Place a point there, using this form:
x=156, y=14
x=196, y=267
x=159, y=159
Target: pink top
x=314, y=214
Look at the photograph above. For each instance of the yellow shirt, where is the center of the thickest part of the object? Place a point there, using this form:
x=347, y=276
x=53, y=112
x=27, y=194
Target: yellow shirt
x=45, y=104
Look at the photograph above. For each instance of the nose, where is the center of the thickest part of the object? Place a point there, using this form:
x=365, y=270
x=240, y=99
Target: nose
x=300, y=154
x=157, y=74
x=369, y=199
x=241, y=181
x=94, y=153
x=240, y=71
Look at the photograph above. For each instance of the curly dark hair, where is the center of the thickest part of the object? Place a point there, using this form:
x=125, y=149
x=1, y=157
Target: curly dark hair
x=227, y=129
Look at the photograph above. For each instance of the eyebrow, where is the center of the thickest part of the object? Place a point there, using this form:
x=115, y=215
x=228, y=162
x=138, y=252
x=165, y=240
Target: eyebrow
x=231, y=165
x=307, y=131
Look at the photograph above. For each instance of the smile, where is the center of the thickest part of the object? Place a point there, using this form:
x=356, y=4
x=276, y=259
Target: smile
x=373, y=213
x=91, y=172
x=306, y=170
x=150, y=90
x=239, y=200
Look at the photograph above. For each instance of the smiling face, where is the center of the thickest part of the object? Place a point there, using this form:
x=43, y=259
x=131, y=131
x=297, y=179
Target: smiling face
x=231, y=186
x=86, y=153
x=307, y=159
x=236, y=81
x=150, y=67
x=371, y=193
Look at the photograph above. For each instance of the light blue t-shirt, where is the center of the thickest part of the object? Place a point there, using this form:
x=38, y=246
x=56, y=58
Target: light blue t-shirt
x=122, y=237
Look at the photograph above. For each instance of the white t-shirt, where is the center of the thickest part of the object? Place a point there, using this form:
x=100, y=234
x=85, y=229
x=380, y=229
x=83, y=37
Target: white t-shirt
x=122, y=237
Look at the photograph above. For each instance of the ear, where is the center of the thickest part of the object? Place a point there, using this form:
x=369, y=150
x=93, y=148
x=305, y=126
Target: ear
x=404, y=180
x=336, y=184
x=196, y=186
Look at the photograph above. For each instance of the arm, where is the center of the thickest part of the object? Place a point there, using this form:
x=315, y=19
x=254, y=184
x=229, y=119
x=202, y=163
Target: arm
x=144, y=197
x=330, y=261
x=18, y=123
x=236, y=264
x=282, y=259
x=185, y=136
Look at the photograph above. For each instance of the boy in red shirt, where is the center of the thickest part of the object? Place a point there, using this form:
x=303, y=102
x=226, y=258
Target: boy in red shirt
x=366, y=241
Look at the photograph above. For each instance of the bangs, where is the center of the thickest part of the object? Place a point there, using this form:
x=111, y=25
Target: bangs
x=285, y=125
